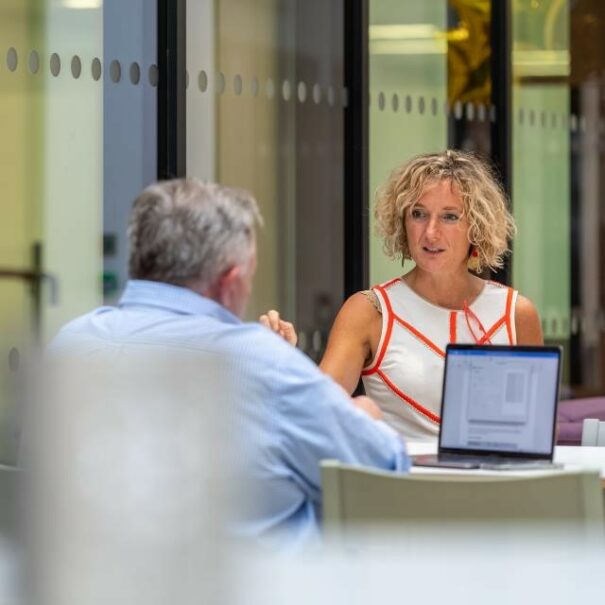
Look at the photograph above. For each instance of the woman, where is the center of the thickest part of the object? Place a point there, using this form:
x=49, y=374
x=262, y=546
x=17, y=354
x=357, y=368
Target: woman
x=447, y=213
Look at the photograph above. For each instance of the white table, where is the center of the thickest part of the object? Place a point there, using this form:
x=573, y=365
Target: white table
x=573, y=457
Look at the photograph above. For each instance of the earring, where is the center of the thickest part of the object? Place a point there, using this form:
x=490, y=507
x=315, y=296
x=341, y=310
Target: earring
x=474, y=253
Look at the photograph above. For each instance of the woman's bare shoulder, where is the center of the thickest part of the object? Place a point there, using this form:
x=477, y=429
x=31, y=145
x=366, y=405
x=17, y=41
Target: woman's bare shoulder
x=525, y=308
x=352, y=340
x=360, y=307
x=527, y=322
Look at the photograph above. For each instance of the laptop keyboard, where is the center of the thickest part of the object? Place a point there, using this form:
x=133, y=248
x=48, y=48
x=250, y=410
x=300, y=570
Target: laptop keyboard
x=499, y=462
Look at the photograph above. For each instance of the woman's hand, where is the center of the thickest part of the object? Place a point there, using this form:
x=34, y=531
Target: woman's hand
x=285, y=329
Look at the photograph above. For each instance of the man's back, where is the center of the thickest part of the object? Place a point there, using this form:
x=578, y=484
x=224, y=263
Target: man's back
x=287, y=415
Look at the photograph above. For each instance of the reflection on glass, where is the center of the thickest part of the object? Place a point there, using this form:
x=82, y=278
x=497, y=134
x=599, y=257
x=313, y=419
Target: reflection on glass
x=587, y=84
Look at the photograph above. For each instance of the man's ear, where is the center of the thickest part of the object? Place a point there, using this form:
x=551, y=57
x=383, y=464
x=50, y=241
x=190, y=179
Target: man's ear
x=225, y=286
x=229, y=276
x=220, y=291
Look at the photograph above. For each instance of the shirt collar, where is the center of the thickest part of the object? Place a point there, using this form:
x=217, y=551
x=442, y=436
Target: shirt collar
x=143, y=293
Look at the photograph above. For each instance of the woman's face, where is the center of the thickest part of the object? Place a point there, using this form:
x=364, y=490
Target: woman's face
x=437, y=230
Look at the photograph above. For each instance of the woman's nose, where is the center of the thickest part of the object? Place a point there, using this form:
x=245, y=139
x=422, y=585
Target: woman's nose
x=432, y=227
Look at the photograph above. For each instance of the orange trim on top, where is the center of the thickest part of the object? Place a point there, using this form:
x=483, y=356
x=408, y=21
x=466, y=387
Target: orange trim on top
x=386, y=284
x=429, y=343
x=390, y=283
x=487, y=336
x=408, y=399
x=504, y=320
x=387, y=301
x=391, y=316
x=453, y=316
x=374, y=368
x=387, y=338
x=509, y=303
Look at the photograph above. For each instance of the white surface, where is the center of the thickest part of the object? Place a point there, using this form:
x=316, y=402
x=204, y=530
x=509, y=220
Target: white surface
x=573, y=457
x=584, y=457
x=468, y=567
x=590, y=431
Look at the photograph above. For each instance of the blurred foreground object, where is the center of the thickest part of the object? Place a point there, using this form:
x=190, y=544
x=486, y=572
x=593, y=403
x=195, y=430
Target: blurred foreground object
x=127, y=451
x=464, y=565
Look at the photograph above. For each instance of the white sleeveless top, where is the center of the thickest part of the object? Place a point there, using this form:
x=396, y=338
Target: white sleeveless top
x=405, y=377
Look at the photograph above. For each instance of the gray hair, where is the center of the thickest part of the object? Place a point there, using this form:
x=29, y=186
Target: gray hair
x=187, y=229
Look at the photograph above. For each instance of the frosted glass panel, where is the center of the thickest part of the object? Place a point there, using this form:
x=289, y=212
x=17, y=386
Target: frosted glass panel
x=72, y=176
x=541, y=161
x=265, y=113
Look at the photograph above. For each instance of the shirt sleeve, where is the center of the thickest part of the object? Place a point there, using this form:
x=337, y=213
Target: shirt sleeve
x=318, y=421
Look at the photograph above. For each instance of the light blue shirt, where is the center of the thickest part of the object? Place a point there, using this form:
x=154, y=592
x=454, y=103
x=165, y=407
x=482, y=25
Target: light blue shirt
x=294, y=416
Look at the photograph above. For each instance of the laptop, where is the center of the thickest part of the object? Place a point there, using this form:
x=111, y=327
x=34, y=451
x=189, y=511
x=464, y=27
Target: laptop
x=498, y=408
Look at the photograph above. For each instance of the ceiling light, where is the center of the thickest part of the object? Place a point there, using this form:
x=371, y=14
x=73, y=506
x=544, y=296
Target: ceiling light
x=83, y=4
x=408, y=47
x=411, y=31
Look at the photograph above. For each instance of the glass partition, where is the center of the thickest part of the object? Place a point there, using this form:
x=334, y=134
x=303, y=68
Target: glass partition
x=587, y=185
x=430, y=88
x=77, y=113
x=558, y=67
x=541, y=161
x=265, y=112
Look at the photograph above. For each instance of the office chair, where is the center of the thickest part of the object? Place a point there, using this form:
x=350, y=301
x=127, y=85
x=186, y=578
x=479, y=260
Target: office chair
x=355, y=497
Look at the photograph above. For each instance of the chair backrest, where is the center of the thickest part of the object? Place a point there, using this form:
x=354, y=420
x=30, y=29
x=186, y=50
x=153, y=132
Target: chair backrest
x=354, y=496
x=593, y=432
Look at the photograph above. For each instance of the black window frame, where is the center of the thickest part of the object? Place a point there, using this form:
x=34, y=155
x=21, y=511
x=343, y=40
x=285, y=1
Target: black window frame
x=172, y=89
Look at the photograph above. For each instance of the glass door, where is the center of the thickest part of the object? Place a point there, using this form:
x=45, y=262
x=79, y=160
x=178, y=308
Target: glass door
x=77, y=86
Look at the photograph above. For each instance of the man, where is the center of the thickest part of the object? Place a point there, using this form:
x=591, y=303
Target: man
x=192, y=262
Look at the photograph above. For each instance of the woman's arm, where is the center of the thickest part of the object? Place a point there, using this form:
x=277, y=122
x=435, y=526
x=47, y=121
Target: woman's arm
x=527, y=323
x=352, y=341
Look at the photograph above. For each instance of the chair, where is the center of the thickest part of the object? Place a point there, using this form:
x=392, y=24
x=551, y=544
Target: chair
x=593, y=432
x=355, y=496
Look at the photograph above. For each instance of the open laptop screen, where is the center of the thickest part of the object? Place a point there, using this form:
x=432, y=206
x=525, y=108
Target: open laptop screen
x=500, y=399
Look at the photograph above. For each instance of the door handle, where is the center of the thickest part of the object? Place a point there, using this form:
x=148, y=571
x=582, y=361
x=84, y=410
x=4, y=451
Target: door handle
x=35, y=277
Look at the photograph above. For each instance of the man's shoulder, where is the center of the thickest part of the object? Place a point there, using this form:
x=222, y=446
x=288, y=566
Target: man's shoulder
x=81, y=325
x=251, y=347
x=240, y=339
x=253, y=339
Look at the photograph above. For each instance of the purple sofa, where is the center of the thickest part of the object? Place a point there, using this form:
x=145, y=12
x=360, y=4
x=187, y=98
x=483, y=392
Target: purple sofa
x=571, y=416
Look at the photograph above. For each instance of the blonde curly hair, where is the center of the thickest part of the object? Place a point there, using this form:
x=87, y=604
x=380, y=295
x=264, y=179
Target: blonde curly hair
x=491, y=225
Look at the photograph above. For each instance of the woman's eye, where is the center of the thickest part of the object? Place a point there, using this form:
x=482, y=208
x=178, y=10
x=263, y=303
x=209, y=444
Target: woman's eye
x=450, y=218
x=417, y=214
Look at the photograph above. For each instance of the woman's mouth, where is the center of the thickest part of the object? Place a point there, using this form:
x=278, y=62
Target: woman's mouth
x=432, y=250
